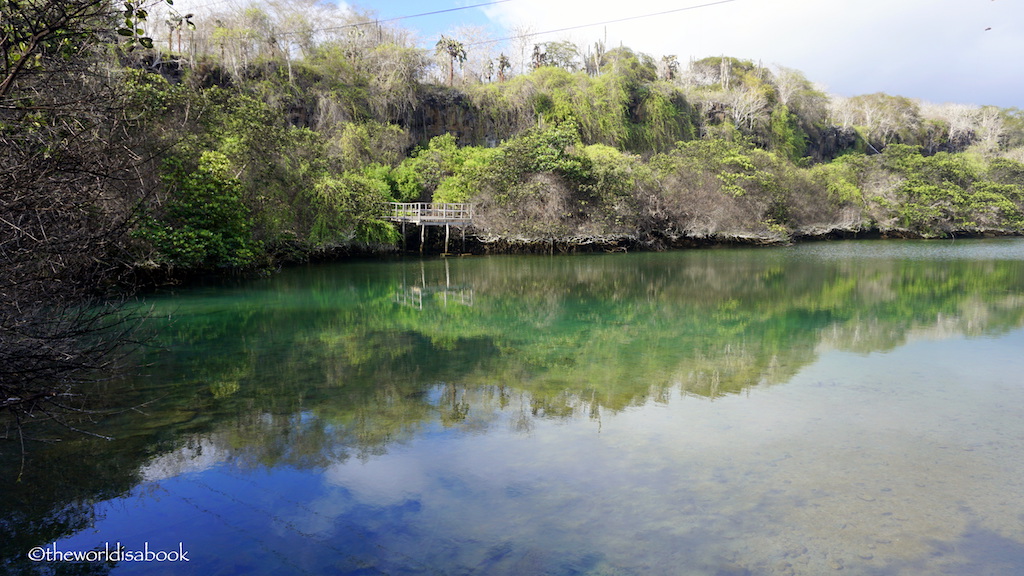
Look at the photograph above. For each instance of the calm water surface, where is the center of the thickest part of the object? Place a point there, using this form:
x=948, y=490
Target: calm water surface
x=840, y=406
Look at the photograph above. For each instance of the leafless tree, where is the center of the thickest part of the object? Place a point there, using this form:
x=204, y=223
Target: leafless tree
x=72, y=172
x=700, y=73
x=841, y=111
x=748, y=107
x=884, y=117
x=788, y=84
x=990, y=129
x=523, y=35
x=479, y=51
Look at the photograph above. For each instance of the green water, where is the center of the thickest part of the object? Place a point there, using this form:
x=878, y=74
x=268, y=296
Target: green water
x=852, y=406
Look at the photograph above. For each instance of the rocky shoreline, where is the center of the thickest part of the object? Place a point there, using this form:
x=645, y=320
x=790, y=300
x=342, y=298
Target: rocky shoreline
x=478, y=244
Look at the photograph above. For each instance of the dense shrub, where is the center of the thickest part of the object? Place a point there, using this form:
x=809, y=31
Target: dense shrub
x=204, y=223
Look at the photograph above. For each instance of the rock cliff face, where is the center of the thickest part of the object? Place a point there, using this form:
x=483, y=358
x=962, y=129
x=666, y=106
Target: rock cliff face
x=444, y=110
x=830, y=142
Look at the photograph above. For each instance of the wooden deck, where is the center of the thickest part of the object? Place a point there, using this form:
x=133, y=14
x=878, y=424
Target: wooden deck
x=431, y=213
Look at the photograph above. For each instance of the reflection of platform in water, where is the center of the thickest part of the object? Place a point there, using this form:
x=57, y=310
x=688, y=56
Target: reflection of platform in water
x=434, y=293
x=415, y=296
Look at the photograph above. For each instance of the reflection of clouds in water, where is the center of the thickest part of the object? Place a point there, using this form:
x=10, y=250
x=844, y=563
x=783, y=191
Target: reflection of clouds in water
x=196, y=456
x=382, y=481
x=859, y=462
x=385, y=481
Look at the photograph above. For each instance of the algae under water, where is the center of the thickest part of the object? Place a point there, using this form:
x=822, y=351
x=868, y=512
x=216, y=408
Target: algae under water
x=800, y=410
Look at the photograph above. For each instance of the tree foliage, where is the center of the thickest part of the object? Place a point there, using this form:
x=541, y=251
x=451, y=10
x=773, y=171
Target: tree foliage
x=73, y=169
x=204, y=224
x=274, y=132
x=451, y=51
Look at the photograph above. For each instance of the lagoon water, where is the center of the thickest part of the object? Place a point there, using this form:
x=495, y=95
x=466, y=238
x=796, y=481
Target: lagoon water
x=851, y=408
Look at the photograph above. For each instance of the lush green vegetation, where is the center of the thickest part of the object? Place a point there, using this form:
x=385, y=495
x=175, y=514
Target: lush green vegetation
x=266, y=134
x=269, y=146
x=582, y=146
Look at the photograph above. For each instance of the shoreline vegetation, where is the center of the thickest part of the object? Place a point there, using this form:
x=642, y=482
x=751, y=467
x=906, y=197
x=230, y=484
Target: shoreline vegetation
x=143, y=145
x=268, y=158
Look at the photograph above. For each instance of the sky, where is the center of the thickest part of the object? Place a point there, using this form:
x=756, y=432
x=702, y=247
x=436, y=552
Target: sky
x=963, y=51
x=939, y=51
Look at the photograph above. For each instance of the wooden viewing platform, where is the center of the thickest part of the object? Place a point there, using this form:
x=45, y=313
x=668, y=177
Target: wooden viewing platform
x=432, y=213
x=425, y=214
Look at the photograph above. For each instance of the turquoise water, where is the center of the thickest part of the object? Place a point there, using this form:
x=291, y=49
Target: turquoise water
x=852, y=406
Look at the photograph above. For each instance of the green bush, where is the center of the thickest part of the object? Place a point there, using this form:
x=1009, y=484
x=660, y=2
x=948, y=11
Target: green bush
x=204, y=223
x=472, y=169
x=419, y=175
x=843, y=178
x=616, y=180
x=947, y=192
x=350, y=207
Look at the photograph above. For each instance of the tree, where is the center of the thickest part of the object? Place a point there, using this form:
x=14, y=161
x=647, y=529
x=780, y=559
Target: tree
x=504, y=65
x=454, y=51
x=175, y=23
x=748, y=107
x=990, y=129
x=886, y=118
x=205, y=225
x=539, y=58
x=562, y=54
x=474, y=66
x=788, y=84
x=841, y=112
x=668, y=67
x=523, y=37
x=73, y=171
x=593, y=59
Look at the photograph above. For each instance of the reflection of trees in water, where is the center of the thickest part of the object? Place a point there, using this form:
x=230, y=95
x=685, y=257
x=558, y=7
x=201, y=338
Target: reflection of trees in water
x=320, y=365
x=619, y=329
x=57, y=494
x=570, y=337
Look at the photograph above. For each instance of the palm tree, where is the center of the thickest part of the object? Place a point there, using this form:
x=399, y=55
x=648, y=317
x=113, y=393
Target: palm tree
x=669, y=67
x=454, y=50
x=504, y=65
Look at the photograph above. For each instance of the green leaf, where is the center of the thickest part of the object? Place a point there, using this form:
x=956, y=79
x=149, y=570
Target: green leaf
x=146, y=42
x=125, y=32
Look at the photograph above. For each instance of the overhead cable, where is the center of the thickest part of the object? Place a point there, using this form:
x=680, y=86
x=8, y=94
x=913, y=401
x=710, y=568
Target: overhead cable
x=528, y=35
x=396, y=18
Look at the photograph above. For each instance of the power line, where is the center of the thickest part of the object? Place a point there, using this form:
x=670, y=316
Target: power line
x=601, y=23
x=443, y=11
x=367, y=23
x=492, y=2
